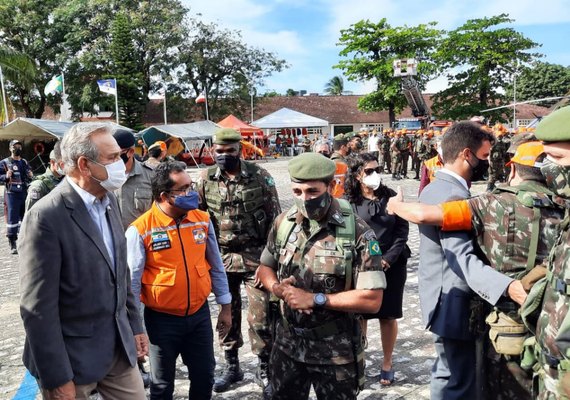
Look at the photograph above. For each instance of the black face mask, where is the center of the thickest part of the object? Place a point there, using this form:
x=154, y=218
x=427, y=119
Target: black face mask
x=227, y=162
x=327, y=155
x=125, y=158
x=17, y=152
x=479, y=170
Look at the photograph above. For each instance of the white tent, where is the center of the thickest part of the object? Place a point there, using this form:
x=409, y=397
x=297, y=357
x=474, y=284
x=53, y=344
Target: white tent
x=287, y=118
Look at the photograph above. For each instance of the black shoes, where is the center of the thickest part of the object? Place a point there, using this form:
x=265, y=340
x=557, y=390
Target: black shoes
x=232, y=373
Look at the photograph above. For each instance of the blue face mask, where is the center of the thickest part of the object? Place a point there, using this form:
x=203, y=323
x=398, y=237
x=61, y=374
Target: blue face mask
x=187, y=202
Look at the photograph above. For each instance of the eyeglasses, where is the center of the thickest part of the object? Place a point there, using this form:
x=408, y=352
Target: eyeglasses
x=369, y=171
x=185, y=191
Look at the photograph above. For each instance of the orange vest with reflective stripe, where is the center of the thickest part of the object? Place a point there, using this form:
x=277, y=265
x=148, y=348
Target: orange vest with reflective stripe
x=176, y=277
x=339, y=178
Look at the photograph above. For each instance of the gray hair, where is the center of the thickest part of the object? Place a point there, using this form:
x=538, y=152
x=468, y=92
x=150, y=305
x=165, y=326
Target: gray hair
x=321, y=142
x=78, y=142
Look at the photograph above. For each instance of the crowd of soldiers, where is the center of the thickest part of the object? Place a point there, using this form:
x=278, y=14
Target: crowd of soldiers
x=307, y=280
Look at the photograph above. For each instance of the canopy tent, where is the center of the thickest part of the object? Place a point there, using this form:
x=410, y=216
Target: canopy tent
x=287, y=118
x=232, y=121
x=192, y=136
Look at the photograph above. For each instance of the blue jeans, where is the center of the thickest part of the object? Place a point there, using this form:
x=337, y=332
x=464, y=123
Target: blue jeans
x=192, y=338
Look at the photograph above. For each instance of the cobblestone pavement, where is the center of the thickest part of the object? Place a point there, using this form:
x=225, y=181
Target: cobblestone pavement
x=413, y=355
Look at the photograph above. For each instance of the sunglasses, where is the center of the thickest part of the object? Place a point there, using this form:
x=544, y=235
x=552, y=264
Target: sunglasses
x=369, y=171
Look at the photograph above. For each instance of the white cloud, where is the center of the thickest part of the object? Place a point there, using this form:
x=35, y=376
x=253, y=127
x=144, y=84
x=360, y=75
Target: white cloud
x=229, y=12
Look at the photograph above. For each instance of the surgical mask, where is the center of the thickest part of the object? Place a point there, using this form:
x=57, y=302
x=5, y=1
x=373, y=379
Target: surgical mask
x=479, y=170
x=116, y=175
x=227, y=162
x=60, y=171
x=188, y=201
x=17, y=152
x=372, y=181
x=316, y=208
x=557, y=177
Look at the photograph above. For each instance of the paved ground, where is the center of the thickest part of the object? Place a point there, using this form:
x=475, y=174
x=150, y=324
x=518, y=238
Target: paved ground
x=413, y=355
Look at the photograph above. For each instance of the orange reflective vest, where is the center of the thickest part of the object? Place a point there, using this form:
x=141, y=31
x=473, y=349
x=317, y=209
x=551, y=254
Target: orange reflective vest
x=339, y=178
x=433, y=165
x=176, y=277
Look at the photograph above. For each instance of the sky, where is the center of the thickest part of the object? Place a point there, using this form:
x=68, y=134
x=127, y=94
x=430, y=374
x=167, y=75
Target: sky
x=305, y=32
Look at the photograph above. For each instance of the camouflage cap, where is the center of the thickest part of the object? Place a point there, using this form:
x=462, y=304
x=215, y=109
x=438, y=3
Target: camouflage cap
x=519, y=139
x=527, y=154
x=226, y=136
x=555, y=127
x=311, y=167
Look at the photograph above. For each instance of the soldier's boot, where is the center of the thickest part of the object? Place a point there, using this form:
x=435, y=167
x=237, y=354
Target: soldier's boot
x=262, y=377
x=232, y=372
x=13, y=244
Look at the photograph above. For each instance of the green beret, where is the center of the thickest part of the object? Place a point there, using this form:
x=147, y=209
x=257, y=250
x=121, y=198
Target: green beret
x=555, y=127
x=349, y=135
x=226, y=136
x=311, y=167
x=340, y=138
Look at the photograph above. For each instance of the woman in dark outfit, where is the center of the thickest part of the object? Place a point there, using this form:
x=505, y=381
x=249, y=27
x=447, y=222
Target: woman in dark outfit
x=368, y=197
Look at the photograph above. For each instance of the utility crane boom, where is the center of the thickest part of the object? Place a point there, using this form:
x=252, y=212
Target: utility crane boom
x=407, y=69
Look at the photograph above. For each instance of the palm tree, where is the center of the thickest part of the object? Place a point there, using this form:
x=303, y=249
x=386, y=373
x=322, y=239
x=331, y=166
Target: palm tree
x=15, y=66
x=335, y=86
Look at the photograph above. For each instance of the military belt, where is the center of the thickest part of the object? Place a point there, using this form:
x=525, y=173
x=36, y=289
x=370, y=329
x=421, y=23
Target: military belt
x=328, y=329
x=507, y=306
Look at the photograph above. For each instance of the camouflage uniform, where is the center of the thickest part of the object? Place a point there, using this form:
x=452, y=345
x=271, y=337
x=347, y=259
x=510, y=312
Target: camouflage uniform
x=417, y=147
x=242, y=211
x=498, y=158
x=501, y=222
x=319, y=348
x=40, y=187
x=404, y=147
x=385, y=158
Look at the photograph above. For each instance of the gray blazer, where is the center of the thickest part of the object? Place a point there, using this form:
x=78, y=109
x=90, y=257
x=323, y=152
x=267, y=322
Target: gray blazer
x=450, y=270
x=77, y=308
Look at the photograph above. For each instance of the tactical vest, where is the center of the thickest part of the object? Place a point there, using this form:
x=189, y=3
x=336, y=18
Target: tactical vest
x=240, y=221
x=519, y=253
x=402, y=144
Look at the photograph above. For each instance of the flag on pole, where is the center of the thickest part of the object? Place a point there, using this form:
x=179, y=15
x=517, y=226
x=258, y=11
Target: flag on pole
x=201, y=99
x=54, y=86
x=107, y=86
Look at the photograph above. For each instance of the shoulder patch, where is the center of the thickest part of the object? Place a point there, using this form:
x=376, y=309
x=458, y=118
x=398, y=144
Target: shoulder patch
x=374, y=248
x=369, y=235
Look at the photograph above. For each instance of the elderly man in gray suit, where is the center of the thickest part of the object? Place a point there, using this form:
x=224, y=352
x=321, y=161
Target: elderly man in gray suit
x=450, y=271
x=83, y=331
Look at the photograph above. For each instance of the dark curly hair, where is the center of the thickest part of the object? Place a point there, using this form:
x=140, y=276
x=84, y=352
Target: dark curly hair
x=352, y=190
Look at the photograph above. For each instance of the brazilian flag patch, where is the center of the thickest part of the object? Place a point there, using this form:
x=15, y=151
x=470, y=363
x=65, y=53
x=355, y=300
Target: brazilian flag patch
x=375, y=248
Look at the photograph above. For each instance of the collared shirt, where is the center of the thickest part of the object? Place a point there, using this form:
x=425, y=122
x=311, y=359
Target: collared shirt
x=456, y=176
x=98, y=212
x=136, y=258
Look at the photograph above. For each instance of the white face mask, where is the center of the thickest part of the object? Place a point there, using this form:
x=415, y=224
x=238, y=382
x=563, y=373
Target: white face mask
x=116, y=175
x=372, y=181
x=60, y=171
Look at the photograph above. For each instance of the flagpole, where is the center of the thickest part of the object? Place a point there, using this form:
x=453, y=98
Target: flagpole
x=62, y=85
x=6, y=118
x=206, y=94
x=116, y=101
x=164, y=105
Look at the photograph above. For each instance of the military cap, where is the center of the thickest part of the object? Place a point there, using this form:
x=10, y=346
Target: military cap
x=527, y=154
x=124, y=138
x=519, y=139
x=226, y=136
x=158, y=143
x=349, y=135
x=311, y=167
x=555, y=127
x=339, y=138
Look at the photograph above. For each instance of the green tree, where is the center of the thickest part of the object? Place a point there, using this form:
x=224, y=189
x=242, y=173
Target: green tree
x=123, y=67
x=371, y=49
x=15, y=67
x=481, y=57
x=216, y=61
x=292, y=92
x=541, y=80
x=335, y=86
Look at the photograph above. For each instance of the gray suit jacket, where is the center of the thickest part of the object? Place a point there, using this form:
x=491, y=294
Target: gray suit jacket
x=450, y=269
x=77, y=307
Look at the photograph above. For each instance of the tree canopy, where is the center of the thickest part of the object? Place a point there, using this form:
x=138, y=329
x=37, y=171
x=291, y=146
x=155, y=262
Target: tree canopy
x=371, y=49
x=541, y=80
x=480, y=58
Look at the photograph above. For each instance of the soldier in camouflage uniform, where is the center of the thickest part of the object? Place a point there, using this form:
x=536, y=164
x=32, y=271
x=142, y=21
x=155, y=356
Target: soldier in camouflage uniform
x=46, y=182
x=417, y=146
x=398, y=147
x=385, y=158
x=498, y=159
x=552, y=296
x=324, y=263
x=242, y=201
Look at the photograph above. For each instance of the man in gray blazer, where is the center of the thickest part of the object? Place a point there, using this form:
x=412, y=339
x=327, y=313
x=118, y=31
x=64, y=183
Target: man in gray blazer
x=83, y=331
x=450, y=270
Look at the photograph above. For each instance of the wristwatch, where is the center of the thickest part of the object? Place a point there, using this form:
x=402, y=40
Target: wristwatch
x=320, y=299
